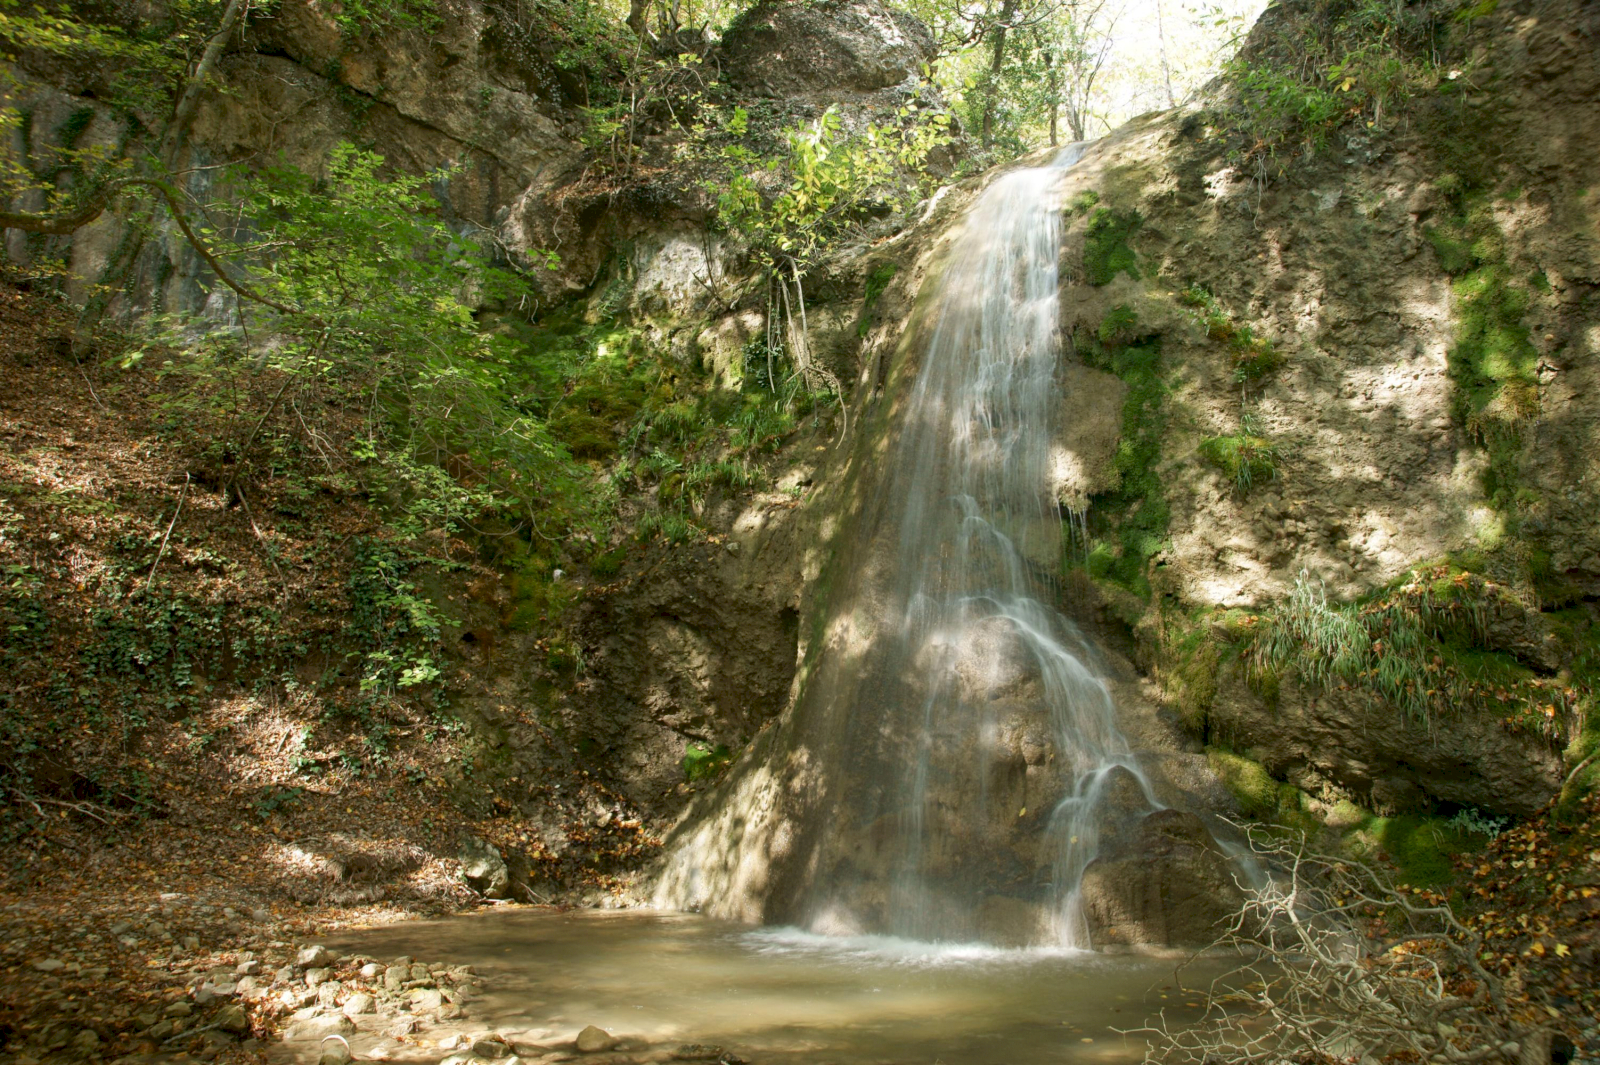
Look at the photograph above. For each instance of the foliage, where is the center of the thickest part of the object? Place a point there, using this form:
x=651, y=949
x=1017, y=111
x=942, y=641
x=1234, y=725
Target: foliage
x=828, y=177
x=1470, y=820
x=1421, y=645
x=1343, y=60
x=383, y=295
x=397, y=630
x=1250, y=357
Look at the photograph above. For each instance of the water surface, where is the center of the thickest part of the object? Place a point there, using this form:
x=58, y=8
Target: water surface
x=782, y=995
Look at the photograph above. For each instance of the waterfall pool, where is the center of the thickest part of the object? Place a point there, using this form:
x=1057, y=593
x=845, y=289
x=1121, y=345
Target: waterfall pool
x=660, y=980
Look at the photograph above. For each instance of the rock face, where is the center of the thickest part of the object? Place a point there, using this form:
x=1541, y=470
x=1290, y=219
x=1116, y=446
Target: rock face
x=783, y=48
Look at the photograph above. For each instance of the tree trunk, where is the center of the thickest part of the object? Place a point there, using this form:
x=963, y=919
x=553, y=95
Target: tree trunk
x=1166, y=66
x=999, y=54
x=1054, y=77
x=638, y=10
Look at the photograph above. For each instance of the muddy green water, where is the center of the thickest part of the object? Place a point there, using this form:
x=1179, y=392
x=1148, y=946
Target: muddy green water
x=776, y=995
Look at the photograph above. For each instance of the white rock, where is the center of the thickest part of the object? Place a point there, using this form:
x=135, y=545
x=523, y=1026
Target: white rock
x=315, y=956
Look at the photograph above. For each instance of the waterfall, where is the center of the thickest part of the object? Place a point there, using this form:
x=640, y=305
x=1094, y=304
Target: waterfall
x=953, y=758
x=973, y=471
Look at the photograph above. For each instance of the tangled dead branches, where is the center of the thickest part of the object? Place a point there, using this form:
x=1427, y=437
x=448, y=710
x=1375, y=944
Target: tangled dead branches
x=1340, y=965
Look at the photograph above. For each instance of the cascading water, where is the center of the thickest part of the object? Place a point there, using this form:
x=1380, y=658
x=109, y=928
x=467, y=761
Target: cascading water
x=953, y=758
x=973, y=467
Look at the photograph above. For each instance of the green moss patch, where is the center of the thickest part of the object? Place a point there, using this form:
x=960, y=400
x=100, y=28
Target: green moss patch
x=877, y=281
x=1105, y=250
x=703, y=761
x=1129, y=525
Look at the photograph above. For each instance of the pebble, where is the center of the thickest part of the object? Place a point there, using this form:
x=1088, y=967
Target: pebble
x=260, y=916
x=178, y=1009
x=371, y=971
x=358, y=1004
x=248, y=968
x=395, y=976
x=50, y=965
x=318, y=976
x=231, y=1018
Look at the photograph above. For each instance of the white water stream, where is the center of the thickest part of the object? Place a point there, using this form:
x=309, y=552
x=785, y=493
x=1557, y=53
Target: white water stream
x=973, y=469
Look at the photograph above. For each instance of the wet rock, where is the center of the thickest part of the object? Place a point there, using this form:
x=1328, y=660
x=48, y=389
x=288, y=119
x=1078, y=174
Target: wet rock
x=593, y=1040
x=178, y=1009
x=1165, y=882
x=697, y=1052
x=403, y=1026
x=484, y=870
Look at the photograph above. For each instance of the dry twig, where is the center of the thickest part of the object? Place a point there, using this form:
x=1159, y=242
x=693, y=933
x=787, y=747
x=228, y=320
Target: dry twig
x=1318, y=982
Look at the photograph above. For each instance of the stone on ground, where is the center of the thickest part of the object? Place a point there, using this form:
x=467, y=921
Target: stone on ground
x=593, y=1040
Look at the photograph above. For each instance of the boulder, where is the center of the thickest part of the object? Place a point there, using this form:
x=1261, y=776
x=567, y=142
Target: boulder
x=484, y=870
x=844, y=46
x=1164, y=882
